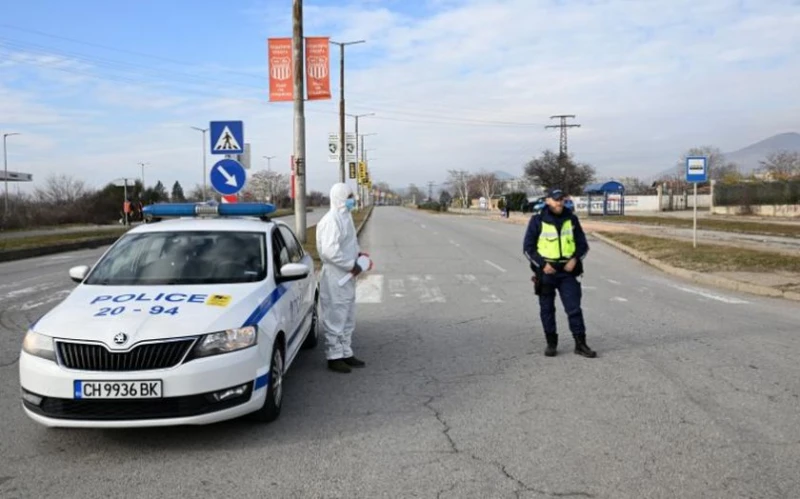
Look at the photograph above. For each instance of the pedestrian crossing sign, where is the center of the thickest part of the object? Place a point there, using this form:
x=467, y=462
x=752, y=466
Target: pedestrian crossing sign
x=227, y=137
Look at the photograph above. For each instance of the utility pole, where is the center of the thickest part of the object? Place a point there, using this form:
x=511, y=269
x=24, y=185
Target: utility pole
x=356, y=116
x=342, y=154
x=5, y=167
x=299, y=122
x=205, y=176
x=430, y=191
x=562, y=146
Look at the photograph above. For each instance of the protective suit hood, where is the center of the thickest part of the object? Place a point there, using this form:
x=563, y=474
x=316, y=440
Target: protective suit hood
x=339, y=194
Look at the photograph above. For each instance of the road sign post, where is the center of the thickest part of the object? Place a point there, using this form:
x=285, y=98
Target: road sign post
x=228, y=177
x=696, y=172
x=227, y=137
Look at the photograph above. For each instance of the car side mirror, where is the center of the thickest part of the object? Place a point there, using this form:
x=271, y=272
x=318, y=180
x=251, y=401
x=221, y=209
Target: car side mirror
x=293, y=272
x=78, y=274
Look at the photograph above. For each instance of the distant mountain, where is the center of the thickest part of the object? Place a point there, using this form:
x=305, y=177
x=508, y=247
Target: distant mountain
x=747, y=158
x=503, y=176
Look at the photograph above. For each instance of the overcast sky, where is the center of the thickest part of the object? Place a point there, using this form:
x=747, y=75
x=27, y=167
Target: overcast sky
x=95, y=87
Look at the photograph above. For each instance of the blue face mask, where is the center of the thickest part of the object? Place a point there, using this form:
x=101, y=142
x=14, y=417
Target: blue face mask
x=350, y=203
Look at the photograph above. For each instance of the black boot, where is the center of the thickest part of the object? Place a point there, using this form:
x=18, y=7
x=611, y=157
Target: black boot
x=339, y=365
x=552, y=345
x=354, y=362
x=581, y=348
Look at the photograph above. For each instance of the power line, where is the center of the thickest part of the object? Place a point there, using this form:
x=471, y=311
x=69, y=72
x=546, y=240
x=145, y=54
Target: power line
x=562, y=146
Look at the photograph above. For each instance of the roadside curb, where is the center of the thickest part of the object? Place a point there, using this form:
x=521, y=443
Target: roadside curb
x=717, y=281
x=364, y=222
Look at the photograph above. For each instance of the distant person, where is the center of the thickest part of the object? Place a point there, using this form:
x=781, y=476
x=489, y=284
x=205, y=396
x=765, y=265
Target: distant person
x=337, y=246
x=556, y=245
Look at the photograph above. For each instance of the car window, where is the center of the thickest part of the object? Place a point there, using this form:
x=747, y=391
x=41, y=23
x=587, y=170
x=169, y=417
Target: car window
x=183, y=257
x=280, y=252
x=295, y=249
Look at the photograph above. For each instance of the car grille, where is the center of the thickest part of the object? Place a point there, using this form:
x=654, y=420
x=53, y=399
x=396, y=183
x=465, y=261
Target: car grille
x=94, y=357
x=129, y=410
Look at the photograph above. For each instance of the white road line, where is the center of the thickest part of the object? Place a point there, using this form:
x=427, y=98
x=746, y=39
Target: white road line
x=423, y=226
x=57, y=296
x=501, y=269
x=619, y=298
x=612, y=281
x=706, y=294
x=369, y=289
x=471, y=280
x=426, y=294
x=397, y=287
x=589, y=287
x=454, y=243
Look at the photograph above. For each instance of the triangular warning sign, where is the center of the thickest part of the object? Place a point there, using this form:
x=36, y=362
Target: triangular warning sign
x=227, y=142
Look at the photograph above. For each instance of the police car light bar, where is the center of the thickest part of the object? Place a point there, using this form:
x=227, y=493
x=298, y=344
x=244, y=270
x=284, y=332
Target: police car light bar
x=192, y=209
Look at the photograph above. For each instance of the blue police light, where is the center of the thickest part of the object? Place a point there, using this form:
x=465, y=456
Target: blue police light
x=193, y=210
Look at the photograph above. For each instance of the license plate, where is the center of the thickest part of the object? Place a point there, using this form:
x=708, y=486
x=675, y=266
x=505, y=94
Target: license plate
x=143, y=389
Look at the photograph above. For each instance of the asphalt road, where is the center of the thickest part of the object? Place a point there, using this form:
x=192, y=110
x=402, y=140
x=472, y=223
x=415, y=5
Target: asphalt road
x=694, y=393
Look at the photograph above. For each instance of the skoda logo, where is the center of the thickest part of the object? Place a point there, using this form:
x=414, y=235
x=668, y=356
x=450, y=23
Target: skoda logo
x=120, y=338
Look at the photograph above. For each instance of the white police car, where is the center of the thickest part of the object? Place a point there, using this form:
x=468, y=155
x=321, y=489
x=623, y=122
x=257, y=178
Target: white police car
x=191, y=320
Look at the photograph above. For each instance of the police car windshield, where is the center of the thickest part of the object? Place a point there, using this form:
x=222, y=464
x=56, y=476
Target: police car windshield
x=197, y=257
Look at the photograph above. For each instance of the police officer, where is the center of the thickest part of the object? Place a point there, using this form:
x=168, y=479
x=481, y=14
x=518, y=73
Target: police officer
x=555, y=245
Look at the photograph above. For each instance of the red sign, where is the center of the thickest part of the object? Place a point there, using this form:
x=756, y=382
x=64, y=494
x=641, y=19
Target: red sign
x=230, y=199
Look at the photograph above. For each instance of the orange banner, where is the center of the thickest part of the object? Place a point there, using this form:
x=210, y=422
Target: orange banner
x=318, y=63
x=281, y=74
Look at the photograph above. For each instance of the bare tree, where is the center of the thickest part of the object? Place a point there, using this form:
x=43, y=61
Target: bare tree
x=459, y=180
x=718, y=166
x=61, y=189
x=488, y=184
x=268, y=185
x=635, y=186
x=782, y=165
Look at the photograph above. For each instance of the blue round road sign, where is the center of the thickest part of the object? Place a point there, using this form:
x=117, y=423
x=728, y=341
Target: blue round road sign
x=228, y=176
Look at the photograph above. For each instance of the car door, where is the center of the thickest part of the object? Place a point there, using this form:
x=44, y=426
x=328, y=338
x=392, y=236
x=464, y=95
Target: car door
x=290, y=303
x=305, y=287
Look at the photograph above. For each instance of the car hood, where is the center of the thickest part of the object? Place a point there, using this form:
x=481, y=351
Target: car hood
x=150, y=312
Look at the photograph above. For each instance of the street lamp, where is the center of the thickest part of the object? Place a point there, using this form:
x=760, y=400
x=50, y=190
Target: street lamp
x=205, y=180
x=5, y=165
x=144, y=186
x=269, y=162
x=341, y=105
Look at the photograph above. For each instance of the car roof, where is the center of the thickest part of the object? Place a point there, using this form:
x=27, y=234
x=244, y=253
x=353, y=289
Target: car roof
x=218, y=224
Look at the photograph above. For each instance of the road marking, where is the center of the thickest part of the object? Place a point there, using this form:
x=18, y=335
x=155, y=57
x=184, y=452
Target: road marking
x=369, y=289
x=426, y=294
x=612, y=281
x=454, y=243
x=423, y=226
x=471, y=280
x=706, y=294
x=57, y=296
x=590, y=288
x=501, y=269
x=619, y=298
x=397, y=287
x=60, y=257
x=29, y=291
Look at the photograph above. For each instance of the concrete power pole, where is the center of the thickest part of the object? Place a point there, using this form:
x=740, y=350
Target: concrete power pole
x=430, y=191
x=342, y=142
x=562, y=145
x=358, y=155
x=299, y=122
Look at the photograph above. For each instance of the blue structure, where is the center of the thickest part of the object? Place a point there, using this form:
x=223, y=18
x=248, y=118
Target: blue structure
x=601, y=191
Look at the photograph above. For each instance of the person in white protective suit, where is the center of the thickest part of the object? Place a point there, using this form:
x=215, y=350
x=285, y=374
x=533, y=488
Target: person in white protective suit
x=338, y=249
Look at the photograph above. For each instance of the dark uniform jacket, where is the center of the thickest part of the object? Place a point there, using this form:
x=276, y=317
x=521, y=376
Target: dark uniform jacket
x=535, y=228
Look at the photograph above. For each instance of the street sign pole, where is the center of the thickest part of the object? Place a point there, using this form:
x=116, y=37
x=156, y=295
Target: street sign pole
x=299, y=122
x=696, y=172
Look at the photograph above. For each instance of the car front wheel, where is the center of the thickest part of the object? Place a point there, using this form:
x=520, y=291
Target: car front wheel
x=272, y=404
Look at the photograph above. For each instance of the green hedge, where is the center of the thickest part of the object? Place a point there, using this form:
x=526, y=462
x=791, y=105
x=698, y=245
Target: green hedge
x=757, y=193
x=432, y=206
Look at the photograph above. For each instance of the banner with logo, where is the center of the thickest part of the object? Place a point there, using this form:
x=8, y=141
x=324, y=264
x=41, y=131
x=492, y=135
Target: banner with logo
x=281, y=74
x=318, y=63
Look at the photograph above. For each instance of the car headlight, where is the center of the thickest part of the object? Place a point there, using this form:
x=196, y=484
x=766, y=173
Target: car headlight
x=225, y=341
x=39, y=345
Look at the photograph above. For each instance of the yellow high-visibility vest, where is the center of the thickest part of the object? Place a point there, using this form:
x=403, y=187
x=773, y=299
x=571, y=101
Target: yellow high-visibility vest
x=556, y=247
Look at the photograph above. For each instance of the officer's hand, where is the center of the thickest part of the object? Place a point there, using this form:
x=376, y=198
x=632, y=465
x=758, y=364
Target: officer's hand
x=356, y=270
x=570, y=266
x=548, y=269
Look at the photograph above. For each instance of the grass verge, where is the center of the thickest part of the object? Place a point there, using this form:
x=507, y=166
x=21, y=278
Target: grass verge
x=744, y=227
x=46, y=240
x=706, y=257
x=311, y=235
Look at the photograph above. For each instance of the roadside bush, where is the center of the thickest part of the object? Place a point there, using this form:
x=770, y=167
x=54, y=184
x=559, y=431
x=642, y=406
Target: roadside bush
x=757, y=193
x=431, y=206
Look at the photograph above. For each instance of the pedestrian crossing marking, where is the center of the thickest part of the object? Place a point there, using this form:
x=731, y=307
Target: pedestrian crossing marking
x=227, y=141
